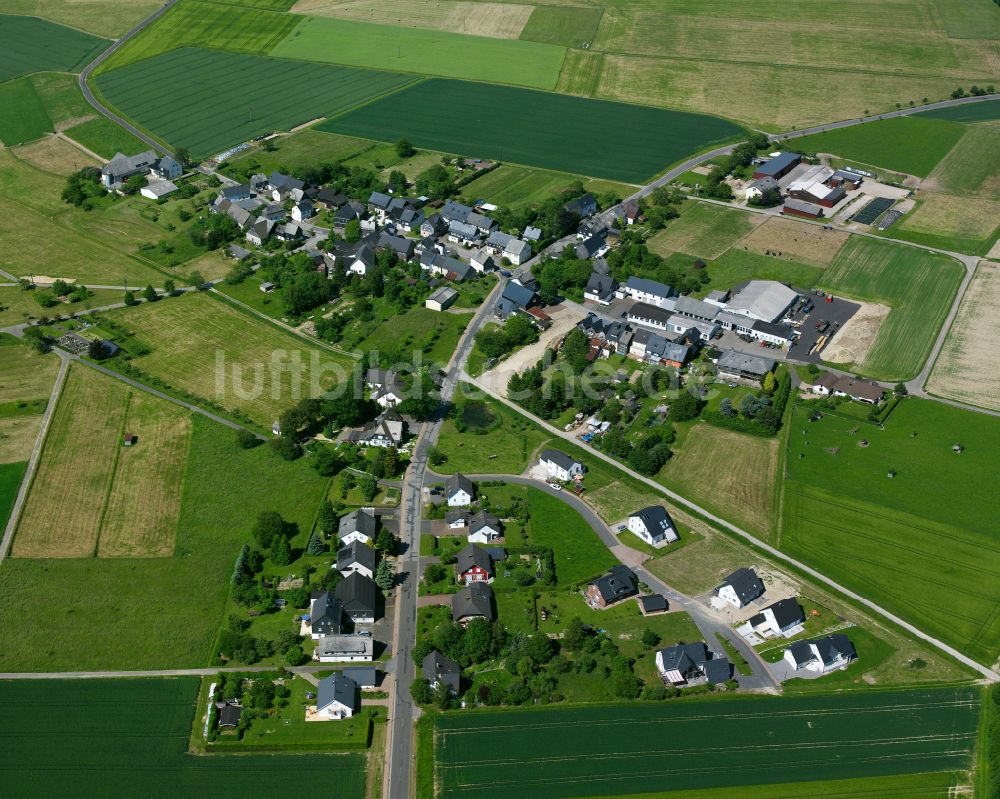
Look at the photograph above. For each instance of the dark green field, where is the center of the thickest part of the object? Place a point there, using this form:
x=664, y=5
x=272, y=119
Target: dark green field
x=23, y=117
x=597, y=138
x=129, y=738
x=10, y=482
x=208, y=100
x=985, y=111
x=30, y=44
x=630, y=749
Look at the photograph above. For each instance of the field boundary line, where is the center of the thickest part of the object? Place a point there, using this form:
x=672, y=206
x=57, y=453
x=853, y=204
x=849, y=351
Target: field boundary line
x=416, y=81
x=36, y=453
x=113, y=472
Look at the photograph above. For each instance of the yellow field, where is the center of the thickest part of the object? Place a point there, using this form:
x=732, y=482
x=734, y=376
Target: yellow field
x=24, y=374
x=54, y=155
x=965, y=370
x=499, y=20
x=796, y=241
x=63, y=510
x=704, y=230
x=217, y=353
x=732, y=471
x=17, y=437
x=955, y=217
x=145, y=499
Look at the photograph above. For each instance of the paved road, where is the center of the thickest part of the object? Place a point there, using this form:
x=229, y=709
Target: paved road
x=777, y=554
x=36, y=451
x=707, y=621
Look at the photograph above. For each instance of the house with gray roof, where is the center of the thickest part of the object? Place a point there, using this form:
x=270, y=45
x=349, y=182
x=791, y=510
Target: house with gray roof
x=653, y=525
x=441, y=671
x=821, y=655
x=365, y=676
x=617, y=584
x=462, y=233
x=682, y=663
x=641, y=289
x=358, y=597
x=484, y=528
x=459, y=490
x=337, y=697
x=766, y=300
x=357, y=557
x=738, y=365
x=475, y=601
x=740, y=588
x=515, y=297
x=358, y=525
x=345, y=648
x=696, y=309
x=600, y=288
x=121, y=167
x=582, y=206
x=326, y=615
x=559, y=465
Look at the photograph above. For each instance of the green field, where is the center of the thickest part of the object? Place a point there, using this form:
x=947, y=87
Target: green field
x=10, y=484
x=301, y=150
x=552, y=131
x=973, y=164
x=30, y=44
x=736, y=266
x=116, y=735
x=986, y=111
x=580, y=554
x=434, y=335
x=104, y=137
x=427, y=52
x=203, y=102
x=555, y=753
x=932, y=560
x=913, y=145
x=517, y=186
x=154, y=613
x=917, y=285
x=703, y=230
x=572, y=26
x=103, y=17
x=23, y=117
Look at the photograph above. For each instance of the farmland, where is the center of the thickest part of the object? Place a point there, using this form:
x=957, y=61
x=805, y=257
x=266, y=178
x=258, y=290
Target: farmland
x=104, y=137
x=552, y=131
x=31, y=45
x=203, y=103
x=554, y=752
x=972, y=167
x=798, y=241
x=736, y=266
x=191, y=333
x=517, y=186
x=964, y=370
x=934, y=563
x=147, y=732
x=958, y=223
x=108, y=18
x=988, y=111
x=917, y=284
x=427, y=52
x=434, y=335
x=704, y=230
x=572, y=26
x=24, y=375
x=56, y=155
x=23, y=118
x=146, y=613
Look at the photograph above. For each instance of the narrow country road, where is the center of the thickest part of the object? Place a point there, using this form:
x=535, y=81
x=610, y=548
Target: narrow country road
x=114, y=675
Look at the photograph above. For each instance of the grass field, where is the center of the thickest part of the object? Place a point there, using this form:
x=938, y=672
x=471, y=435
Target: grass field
x=579, y=553
x=916, y=284
x=554, y=752
x=24, y=374
x=426, y=52
x=972, y=167
x=191, y=332
x=102, y=17
x=963, y=369
x=986, y=111
x=193, y=23
x=958, y=223
x=24, y=118
x=434, y=335
x=147, y=732
x=55, y=155
x=728, y=470
x=203, y=104
x=497, y=19
x=552, y=131
x=787, y=238
x=704, y=230
x=30, y=44
x=299, y=150
x=935, y=563
x=151, y=613
x=104, y=137
x=517, y=186
x=11, y=475
x=572, y=26
x=736, y=266
x=913, y=145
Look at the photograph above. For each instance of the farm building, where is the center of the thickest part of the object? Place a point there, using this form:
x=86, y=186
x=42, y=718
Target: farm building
x=349, y=648
x=756, y=188
x=849, y=180
x=806, y=210
x=653, y=525
x=441, y=299
x=784, y=618
x=337, y=697
x=121, y=167
x=778, y=166
x=158, y=190
x=822, y=654
x=812, y=186
x=766, y=300
x=619, y=583
x=560, y=465
x=740, y=588
x=736, y=365
x=474, y=565
x=475, y=601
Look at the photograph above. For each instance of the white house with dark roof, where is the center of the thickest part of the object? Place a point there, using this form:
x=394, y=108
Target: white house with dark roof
x=682, y=663
x=337, y=697
x=357, y=557
x=121, y=167
x=821, y=655
x=326, y=616
x=459, y=490
x=737, y=365
x=439, y=670
x=358, y=525
x=641, y=289
x=358, y=597
x=560, y=466
x=653, y=525
x=740, y=588
x=600, y=288
x=484, y=528
x=784, y=619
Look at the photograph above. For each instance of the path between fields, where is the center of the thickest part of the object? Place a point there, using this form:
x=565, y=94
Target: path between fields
x=112, y=675
x=777, y=554
x=36, y=451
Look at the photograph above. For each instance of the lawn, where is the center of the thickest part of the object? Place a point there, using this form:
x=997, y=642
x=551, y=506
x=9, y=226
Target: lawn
x=207, y=348
x=31, y=44
x=934, y=563
x=738, y=266
x=579, y=553
x=514, y=187
x=427, y=52
x=300, y=150
x=917, y=285
x=432, y=334
x=153, y=613
x=552, y=131
x=704, y=230
x=554, y=752
x=913, y=145
x=147, y=732
x=104, y=137
x=203, y=103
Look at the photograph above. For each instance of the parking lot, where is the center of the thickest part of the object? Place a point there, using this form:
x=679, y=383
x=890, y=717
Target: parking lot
x=834, y=311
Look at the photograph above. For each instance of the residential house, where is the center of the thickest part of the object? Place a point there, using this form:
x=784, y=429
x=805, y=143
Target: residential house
x=348, y=212
x=483, y=224
x=389, y=389
x=345, y=648
x=532, y=234
x=441, y=671
x=365, y=676
x=459, y=490
x=358, y=596
x=337, y=697
x=290, y=231
x=475, y=601
x=867, y=391
x=591, y=247
x=784, y=618
x=560, y=466
x=121, y=167
x=166, y=168
x=358, y=525
x=449, y=268
x=653, y=525
x=229, y=715
x=582, y=206
x=303, y=210
x=756, y=189
x=682, y=663
x=737, y=365
x=515, y=297
x=281, y=186
x=260, y=231
x=403, y=248
x=441, y=298
x=457, y=518
x=432, y=226
x=462, y=233
x=360, y=261
x=693, y=330
x=482, y=261
x=330, y=198
x=455, y=212
x=740, y=588
x=619, y=583
x=388, y=430
x=821, y=655
x=650, y=292
x=325, y=615
x=484, y=528
x=357, y=557
x=409, y=220
x=600, y=288
x=474, y=565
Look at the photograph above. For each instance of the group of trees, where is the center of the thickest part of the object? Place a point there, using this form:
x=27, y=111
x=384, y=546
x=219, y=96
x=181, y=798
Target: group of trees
x=83, y=187
x=495, y=342
x=562, y=275
x=742, y=156
x=974, y=90
x=633, y=257
x=758, y=413
x=213, y=230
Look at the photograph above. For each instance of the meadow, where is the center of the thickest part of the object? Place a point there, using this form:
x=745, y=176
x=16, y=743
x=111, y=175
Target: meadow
x=704, y=230
x=552, y=131
x=798, y=241
x=24, y=374
x=105, y=753
x=920, y=543
x=104, y=137
x=154, y=613
x=517, y=186
x=737, y=266
x=917, y=285
x=500, y=20
x=11, y=475
x=108, y=18
x=555, y=753
x=30, y=44
x=426, y=52
x=912, y=144
x=25, y=118
x=965, y=223
x=572, y=26
x=190, y=335
x=204, y=105
x=55, y=155
x=435, y=335
x=973, y=164
x=579, y=553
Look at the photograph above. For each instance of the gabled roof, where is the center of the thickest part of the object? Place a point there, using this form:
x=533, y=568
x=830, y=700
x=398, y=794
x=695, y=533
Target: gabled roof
x=582, y=206
x=643, y=311
x=682, y=657
x=746, y=363
x=833, y=647
x=229, y=715
x=438, y=668
x=481, y=520
x=653, y=603
x=472, y=556
x=283, y=182
x=362, y=675
x=357, y=552
x=559, y=458
x=762, y=299
x=745, y=582
x=801, y=652
x=325, y=611
x=379, y=200
x=475, y=599
x=517, y=294
x=649, y=287
x=125, y=165
x=453, y=211
x=620, y=582
x=718, y=670
x=655, y=519
x=600, y=284
x=357, y=593
x=458, y=482
x=337, y=688
x=777, y=164
x=689, y=306
x=787, y=612
x=358, y=521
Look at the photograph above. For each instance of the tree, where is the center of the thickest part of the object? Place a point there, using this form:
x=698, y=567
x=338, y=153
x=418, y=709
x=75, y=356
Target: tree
x=327, y=517
x=286, y=448
x=352, y=231
x=369, y=487
x=385, y=575
x=650, y=638
x=294, y=656
x=627, y=685
x=575, y=634
x=726, y=407
x=130, y=298
x=316, y=545
x=435, y=573
x=281, y=551
x=246, y=439
x=183, y=156
x=96, y=351
x=404, y=149
x=901, y=390
x=37, y=340
x=269, y=526
x=685, y=407
x=169, y=287
x=478, y=644
x=149, y=294
x=386, y=542
x=420, y=691
x=769, y=383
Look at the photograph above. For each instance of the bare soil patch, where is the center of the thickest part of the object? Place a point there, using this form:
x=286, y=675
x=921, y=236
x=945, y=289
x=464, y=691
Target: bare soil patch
x=851, y=343
x=796, y=241
x=55, y=155
x=497, y=20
